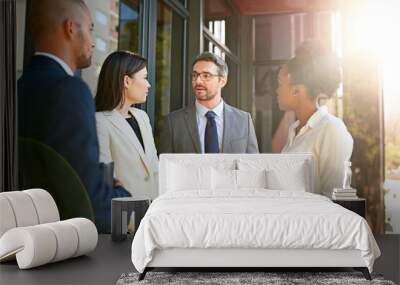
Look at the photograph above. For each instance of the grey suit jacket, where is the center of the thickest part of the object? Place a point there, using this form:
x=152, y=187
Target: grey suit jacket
x=180, y=132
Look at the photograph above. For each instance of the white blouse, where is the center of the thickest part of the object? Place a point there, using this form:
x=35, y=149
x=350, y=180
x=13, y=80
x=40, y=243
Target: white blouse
x=327, y=138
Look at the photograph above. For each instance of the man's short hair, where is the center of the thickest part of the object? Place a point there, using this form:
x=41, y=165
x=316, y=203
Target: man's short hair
x=218, y=61
x=46, y=15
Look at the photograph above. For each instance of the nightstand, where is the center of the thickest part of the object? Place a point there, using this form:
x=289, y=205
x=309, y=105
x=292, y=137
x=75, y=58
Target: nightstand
x=122, y=209
x=357, y=205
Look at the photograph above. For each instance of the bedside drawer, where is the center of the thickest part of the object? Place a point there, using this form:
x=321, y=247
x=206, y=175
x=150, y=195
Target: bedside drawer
x=357, y=206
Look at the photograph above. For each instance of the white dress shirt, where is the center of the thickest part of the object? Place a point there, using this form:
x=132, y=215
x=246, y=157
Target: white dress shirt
x=327, y=138
x=65, y=66
x=202, y=122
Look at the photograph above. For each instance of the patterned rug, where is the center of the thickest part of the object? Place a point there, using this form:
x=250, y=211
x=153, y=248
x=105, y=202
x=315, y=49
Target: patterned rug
x=242, y=278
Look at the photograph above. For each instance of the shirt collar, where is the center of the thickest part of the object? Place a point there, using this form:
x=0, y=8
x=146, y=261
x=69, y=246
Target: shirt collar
x=218, y=110
x=314, y=120
x=65, y=66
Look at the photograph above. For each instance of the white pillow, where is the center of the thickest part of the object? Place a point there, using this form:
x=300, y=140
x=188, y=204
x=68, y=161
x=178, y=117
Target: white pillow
x=251, y=178
x=223, y=179
x=293, y=180
x=182, y=177
x=282, y=174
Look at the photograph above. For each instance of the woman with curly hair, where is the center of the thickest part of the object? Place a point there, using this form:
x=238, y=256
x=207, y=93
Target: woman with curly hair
x=312, y=73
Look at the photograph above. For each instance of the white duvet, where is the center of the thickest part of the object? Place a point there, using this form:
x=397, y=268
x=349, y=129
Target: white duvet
x=252, y=218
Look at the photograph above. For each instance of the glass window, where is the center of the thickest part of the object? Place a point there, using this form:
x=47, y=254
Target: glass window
x=222, y=21
x=170, y=76
x=392, y=146
x=267, y=120
x=105, y=17
x=217, y=28
x=115, y=27
x=211, y=47
x=262, y=47
x=230, y=91
x=129, y=25
x=276, y=38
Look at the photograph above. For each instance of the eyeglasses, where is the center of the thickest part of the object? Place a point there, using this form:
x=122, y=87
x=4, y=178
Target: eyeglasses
x=204, y=76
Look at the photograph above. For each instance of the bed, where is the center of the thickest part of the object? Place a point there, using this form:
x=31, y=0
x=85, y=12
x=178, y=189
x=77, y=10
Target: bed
x=245, y=211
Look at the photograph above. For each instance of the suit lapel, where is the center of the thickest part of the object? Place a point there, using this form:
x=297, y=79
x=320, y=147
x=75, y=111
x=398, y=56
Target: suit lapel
x=123, y=126
x=191, y=123
x=229, y=125
x=146, y=136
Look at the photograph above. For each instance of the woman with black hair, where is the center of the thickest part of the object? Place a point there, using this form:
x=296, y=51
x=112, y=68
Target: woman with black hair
x=314, y=73
x=125, y=134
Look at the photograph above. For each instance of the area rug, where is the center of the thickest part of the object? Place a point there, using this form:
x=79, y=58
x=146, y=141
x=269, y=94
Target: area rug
x=243, y=278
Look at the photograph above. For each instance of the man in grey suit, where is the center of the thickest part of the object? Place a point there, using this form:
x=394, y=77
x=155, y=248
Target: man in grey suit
x=210, y=125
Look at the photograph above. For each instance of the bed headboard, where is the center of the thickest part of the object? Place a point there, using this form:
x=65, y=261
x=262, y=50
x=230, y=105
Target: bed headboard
x=233, y=161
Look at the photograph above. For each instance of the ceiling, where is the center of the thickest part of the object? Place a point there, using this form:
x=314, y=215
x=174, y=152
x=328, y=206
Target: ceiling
x=216, y=9
x=257, y=7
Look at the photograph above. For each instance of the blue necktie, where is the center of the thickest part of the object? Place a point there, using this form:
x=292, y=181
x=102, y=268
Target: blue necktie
x=211, y=135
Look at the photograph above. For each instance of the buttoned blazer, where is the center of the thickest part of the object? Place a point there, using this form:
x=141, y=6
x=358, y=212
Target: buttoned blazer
x=180, y=132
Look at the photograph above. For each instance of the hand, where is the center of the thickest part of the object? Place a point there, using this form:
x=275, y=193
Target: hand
x=117, y=183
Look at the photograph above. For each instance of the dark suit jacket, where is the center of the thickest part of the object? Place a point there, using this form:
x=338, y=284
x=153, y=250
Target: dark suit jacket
x=181, y=135
x=58, y=110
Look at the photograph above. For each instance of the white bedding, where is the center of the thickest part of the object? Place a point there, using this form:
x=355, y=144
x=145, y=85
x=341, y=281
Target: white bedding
x=251, y=218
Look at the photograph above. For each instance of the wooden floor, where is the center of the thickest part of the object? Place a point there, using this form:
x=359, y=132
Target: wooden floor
x=106, y=264
x=389, y=262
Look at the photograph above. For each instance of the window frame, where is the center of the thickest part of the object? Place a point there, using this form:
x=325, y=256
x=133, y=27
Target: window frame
x=233, y=57
x=148, y=36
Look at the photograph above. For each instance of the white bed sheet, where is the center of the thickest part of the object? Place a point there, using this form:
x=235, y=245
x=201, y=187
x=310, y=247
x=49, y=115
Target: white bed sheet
x=251, y=218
